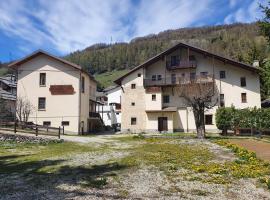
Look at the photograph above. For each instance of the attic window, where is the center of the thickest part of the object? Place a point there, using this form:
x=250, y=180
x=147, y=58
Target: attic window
x=139, y=75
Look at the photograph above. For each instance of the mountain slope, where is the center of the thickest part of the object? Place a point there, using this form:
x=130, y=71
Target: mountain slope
x=242, y=42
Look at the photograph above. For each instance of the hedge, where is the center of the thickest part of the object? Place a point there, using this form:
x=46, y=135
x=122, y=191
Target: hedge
x=231, y=118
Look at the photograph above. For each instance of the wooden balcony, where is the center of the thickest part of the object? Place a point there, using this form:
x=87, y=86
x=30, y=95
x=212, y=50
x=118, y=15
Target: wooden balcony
x=181, y=65
x=174, y=81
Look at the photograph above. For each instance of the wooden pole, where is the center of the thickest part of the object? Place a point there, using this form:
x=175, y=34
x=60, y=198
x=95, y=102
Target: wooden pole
x=59, y=130
x=36, y=130
x=15, y=127
x=63, y=130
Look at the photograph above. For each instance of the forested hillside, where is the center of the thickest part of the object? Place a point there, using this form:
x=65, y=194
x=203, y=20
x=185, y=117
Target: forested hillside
x=242, y=42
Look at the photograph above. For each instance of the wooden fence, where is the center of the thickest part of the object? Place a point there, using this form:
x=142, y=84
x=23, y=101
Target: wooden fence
x=33, y=128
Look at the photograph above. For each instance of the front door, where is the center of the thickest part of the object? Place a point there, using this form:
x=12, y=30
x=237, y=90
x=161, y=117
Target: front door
x=162, y=124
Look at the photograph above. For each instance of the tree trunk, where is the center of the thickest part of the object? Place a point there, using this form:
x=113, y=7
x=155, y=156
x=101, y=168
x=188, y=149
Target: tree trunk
x=199, y=121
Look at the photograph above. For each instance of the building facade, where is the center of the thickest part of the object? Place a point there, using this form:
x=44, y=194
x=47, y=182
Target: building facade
x=109, y=106
x=151, y=98
x=61, y=93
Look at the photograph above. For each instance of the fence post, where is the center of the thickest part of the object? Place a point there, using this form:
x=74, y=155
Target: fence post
x=63, y=130
x=36, y=130
x=15, y=127
x=59, y=130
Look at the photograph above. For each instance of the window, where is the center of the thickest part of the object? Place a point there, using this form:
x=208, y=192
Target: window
x=173, y=77
x=139, y=75
x=208, y=119
x=166, y=99
x=133, y=103
x=222, y=74
x=204, y=74
x=243, y=81
x=154, y=77
x=46, y=123
x=159, y=77
x=192, y=76
x=244, y=97
x=221, y=100
x=154, y=97
x=65, y=123
x=82, y=84
x=174, y=60
x=133, y=86
x=42, y=79
x=133, y=120
x=41, y=103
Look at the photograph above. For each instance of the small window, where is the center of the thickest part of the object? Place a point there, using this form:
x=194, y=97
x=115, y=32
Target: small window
x=41, y=103
x=65, y=123
x=42, y=79
x=154, y=77
x=46, y=123
x=83, y=84
x=208, y=119
x=244, y=97
x=133, y=120
x=221, y=100
x=192, y=76
x=139, y=75
x=204, y=74
x=133, y=103
x=166, y=99
x=133, y=86
x=154, y=97
x=222, y=74
x=243, y=81
x=159, y=77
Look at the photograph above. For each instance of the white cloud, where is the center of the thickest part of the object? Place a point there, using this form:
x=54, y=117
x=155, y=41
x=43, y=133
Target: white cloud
x=69, y=25
x=249, y=13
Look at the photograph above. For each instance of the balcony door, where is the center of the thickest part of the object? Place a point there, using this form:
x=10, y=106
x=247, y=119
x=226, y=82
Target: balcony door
x=162, y=124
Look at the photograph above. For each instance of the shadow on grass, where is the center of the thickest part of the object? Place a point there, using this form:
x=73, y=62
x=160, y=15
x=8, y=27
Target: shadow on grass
x=29, y=179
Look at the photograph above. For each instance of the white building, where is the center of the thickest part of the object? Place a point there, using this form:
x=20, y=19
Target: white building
x=109, y=106
x=150, y=100
x=61, y=92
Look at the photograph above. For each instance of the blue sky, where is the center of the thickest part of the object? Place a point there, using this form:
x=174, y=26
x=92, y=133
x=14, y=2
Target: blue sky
x=64, y=26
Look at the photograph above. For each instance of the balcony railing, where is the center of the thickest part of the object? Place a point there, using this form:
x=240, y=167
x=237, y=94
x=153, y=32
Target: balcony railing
x=179, y=80
x=181, y=64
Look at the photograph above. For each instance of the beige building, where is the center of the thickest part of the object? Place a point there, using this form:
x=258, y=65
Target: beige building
x=151, y=101
x=62, y=93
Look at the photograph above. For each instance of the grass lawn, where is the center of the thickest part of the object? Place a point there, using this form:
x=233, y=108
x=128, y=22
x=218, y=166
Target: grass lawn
x=131, y=167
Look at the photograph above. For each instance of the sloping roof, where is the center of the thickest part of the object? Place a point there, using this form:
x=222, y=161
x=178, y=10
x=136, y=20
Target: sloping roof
x=196, y=49
x=112, y=87
x=7, y=95
x=8, y=82
x=19, y=62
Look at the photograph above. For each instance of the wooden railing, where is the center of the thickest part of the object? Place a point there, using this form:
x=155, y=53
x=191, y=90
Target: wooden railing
x=179, y=80
x=181, y=64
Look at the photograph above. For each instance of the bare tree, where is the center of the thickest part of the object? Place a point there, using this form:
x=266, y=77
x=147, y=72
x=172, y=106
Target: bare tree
x=199, y=93
x=23, y=109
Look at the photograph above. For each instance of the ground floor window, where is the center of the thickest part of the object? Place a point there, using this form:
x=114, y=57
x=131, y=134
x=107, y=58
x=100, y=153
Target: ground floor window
x=46, y=123
x=208, y=119
x=65, y=123
x=133, y=120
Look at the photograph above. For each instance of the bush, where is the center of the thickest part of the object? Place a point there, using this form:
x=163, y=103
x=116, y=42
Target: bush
x=253, y=118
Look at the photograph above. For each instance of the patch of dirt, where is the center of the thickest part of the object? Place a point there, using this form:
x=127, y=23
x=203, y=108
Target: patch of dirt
x=262, y=149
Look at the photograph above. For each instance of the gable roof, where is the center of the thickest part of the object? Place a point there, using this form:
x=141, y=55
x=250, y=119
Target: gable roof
x=19, y=62
x=196, y=49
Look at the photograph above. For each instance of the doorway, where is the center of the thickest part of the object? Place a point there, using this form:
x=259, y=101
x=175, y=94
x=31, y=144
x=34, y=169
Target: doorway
x=163, y=124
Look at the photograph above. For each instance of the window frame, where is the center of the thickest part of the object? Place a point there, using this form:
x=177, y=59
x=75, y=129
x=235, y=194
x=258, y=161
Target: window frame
x=133, y=86
x=165, y=98
x=243, y=82
x=65, y=123
x=205, y=119
x=49, y=122
x=154, y=77
x=39, y=103
x=159, y=77
x=40, y=79
x=133, y=120
x=222, y=74
x=243, y=97
x=154, y=97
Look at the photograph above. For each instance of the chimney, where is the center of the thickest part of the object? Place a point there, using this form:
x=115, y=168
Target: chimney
x=256, y=63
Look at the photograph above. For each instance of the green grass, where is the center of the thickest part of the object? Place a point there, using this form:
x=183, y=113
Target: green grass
x=106, y=79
